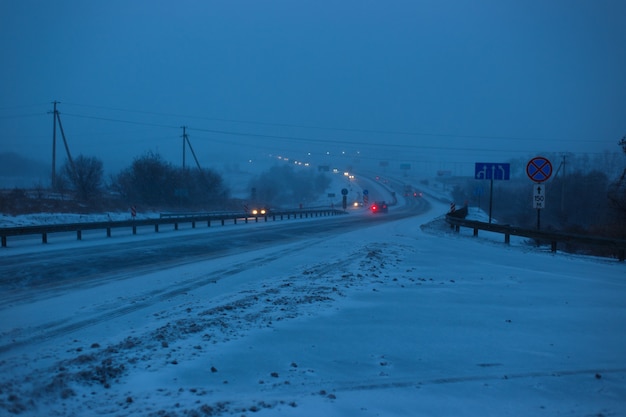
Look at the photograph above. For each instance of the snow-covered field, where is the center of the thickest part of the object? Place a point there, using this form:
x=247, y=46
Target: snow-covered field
x=403, y=318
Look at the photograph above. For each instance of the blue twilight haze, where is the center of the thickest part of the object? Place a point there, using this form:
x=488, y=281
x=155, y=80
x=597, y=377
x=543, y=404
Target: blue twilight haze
x=431, y=83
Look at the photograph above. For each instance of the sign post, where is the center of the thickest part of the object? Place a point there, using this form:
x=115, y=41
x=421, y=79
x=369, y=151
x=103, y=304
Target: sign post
x=539, y=169
x=492, y=171
x=344, y=198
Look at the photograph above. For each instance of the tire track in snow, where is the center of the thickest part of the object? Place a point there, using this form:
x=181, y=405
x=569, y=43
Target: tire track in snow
x=403, y=383
x=56, y=329
x=231, y=318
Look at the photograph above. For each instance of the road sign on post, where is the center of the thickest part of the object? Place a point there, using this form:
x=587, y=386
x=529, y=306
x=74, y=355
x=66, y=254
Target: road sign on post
x=492, y=171
x=539, y=196
x=539, y=169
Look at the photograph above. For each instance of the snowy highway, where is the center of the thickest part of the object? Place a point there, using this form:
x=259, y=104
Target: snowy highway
x=42, y=272
x=346, y=315
x=80, y=262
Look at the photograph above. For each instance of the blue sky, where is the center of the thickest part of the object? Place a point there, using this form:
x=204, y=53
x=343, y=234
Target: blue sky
x=408, y=81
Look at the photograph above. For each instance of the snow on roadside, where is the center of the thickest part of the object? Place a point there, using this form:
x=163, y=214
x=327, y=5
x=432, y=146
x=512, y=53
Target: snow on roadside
x=391, y=320
x=38, y=219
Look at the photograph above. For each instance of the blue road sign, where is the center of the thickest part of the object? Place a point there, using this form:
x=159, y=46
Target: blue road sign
x=492, y=171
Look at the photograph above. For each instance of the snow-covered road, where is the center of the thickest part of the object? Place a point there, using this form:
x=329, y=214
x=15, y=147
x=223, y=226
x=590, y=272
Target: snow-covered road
x=388, y=320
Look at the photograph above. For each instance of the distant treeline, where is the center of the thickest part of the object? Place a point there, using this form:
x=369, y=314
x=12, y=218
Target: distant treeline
x=150, y=182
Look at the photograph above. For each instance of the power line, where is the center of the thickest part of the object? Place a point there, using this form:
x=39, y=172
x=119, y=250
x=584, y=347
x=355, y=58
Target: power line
x=333, y=142
x=109, y=119
x=24, y=106
x=21, y=116
x=343, y=129
x=353, y=144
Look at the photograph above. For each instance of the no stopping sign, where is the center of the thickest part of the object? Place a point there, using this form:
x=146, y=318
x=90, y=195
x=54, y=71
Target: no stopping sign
x=539, y=169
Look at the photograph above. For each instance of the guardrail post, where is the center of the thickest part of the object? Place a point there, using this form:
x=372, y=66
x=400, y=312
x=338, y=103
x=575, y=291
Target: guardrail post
x=475, y=231
x=156, y=228
x=507, y=238
x=79, y=235
x=553, y=246
x=108, y=232
x=208, y=223
x=134, y=229
x=4, y=241
x=265, y=219
x=235, y=219
x=222, y=222
x=246, y=220
x=176, y=226
x=44, y=238
x=193, y=225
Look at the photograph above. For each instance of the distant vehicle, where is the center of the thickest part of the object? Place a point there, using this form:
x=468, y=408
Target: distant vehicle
x=410, y=191
x=259, y=212
x=379, y=207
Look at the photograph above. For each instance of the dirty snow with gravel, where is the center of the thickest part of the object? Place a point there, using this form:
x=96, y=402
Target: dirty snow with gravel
x=403, y=318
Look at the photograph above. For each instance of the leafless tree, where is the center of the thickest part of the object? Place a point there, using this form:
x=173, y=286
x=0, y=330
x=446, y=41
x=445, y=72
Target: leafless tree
x=84, y=176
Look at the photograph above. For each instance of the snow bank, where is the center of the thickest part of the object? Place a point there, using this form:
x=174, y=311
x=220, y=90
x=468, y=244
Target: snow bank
x=389, y=320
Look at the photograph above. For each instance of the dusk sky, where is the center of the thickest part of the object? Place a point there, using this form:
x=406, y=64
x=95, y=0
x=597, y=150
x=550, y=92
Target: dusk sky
x=437, y=82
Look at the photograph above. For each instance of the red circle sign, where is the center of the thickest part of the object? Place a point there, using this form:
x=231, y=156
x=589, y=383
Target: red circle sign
x=539, y=169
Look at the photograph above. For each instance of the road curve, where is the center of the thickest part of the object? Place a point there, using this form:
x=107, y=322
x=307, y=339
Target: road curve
x=85, y=265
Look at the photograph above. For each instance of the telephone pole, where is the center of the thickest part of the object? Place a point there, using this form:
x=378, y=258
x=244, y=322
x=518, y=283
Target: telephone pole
x=57, y=118
x=54, y=145
x=185, y=143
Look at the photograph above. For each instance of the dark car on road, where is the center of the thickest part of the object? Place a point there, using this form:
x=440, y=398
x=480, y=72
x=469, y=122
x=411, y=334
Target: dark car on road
x=379, y=207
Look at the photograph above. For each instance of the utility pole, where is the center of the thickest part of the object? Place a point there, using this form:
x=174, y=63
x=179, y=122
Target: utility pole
x=563, y=186
x=185, y=143
x=53, y=178
x=562, y=165
x=57, y=118
x=185, y=139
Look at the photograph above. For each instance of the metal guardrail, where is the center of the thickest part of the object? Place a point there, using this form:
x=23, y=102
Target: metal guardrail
x=45, y=230
x=618, y=245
